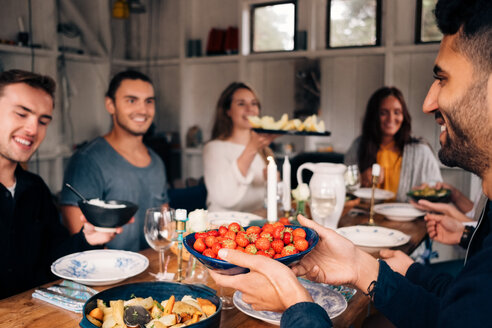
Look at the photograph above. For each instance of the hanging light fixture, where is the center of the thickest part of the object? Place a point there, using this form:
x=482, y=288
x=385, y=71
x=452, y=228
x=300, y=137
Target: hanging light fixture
x=121, y=9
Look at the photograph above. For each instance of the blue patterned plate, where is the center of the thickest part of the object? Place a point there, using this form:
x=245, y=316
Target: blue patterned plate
x=331, y=300
x=374, y=236
x=100, y=267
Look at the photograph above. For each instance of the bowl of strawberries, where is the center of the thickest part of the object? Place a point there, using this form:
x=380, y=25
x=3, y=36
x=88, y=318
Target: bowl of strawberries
x=285, y=243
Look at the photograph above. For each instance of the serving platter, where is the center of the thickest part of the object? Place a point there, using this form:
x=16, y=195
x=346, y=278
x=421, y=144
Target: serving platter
x=293, y=132
x=374, y=236
x=227, y=217
x=331, y=300
x=379, y=194
x=100, y=267
x=402, y=212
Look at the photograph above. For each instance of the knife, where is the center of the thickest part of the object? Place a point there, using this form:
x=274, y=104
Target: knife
x=52, y=292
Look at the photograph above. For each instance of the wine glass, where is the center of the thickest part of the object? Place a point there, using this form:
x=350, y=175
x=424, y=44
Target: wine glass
x=160, y=230
x=223, y=292
x=352, y=178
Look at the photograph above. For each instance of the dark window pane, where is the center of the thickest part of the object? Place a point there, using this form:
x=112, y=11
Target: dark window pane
x=353, y=23
x=273, y=27
x=429, y=32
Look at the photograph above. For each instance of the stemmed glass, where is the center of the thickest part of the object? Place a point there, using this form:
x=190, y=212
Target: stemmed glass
x=352, y=178
x=160, y=230
x=227, y=302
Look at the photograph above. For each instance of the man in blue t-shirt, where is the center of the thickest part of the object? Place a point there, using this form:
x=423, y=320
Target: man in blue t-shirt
x=118, y=166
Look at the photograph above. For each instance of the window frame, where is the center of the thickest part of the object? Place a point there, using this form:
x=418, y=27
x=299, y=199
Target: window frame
x=252, y=9
x=418, y=24
x=379, y=18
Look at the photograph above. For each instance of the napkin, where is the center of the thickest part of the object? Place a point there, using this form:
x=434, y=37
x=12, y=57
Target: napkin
x=68, y=295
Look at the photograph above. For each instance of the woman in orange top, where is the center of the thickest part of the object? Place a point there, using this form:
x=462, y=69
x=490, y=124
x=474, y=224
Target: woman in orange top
x=386, y=139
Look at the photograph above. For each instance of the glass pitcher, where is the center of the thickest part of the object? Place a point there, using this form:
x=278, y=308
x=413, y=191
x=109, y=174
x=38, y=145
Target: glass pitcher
x=327, y=187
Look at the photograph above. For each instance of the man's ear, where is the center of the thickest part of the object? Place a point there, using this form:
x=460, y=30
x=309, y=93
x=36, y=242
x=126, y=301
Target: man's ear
x=109, y=103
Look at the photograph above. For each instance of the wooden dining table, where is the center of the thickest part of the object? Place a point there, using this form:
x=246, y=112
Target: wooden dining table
x=24, y=311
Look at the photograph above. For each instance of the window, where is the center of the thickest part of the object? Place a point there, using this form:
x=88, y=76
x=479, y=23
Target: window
x=353, y=23
x=426, y=27
x=273, y=26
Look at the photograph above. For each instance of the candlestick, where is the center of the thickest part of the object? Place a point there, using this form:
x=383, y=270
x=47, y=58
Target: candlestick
x=271, y=190
x=286, y=200
x=180, y=229
x=376, y=170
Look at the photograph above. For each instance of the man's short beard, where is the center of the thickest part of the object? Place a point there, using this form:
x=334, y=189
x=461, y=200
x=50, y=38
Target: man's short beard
x=469, y=149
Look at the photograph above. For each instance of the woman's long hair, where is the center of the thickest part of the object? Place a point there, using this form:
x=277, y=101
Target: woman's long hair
x=222, y=128
x=371, y=127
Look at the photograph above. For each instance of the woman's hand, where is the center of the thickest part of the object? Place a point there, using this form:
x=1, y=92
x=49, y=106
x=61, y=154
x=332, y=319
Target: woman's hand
x=258, y=141
x=443, y=208
x=94, y=237
x=269, y=286
x=336, y=260
x=444, y=229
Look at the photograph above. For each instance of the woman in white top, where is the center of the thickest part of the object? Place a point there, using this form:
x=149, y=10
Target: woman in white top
x=234, y=160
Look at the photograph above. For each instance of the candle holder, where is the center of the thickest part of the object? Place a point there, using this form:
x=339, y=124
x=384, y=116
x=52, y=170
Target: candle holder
x=180, y=230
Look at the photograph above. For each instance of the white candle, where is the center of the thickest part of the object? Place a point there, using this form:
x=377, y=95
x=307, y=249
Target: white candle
x=376, y=170
x=286, y=200
x=271, y=190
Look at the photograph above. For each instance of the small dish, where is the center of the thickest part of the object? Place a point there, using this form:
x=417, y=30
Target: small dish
x=100, y=267
x=431, y=194
x=293, y=132
x=332, y=301
x=398, y=211
x=224, y=267
x=379, y=194
x=243, y=218
x=374, y=236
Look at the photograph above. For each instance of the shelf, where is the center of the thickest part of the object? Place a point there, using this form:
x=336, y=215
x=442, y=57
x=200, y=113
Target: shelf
x=212, y=59
x=83, y=58
x=153, y=62
x=18, y=50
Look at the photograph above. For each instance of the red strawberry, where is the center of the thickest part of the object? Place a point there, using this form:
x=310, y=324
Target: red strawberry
x=278, y=224
x=299, y=232
x=199, y=245
x=268, y=227
x=277, y=246
x=242, y=240
x=277, y=256
x=288, y=229
x=208, y=252
x=222, y=230
x=266, y=235
x=270, y=252
x=278, y=232
x=201, y=235
x=234, y=226
x=215, y=247
x=301, y=244
x=214, y=233
x=287, y=237
x=239, y=248
x=210, y=240
x=253, y=229
x=262, y=244
x=229, y=243
x=262, y=253
x=253, y=237
x=284, y=221
x=230, y=235
x=251, y=249
x=289, y=250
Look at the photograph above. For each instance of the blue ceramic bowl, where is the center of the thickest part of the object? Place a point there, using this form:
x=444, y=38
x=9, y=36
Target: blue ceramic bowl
x=158, y=291
x=224, y=267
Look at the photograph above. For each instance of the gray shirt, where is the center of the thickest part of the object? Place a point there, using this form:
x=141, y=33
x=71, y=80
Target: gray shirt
x=418, y=165
x=98, y=171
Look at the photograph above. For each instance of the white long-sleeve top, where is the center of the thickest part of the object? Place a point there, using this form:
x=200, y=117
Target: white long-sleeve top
x=228, y=189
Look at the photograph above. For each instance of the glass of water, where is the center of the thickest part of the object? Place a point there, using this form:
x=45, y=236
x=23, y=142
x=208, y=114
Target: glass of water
x=352, y=178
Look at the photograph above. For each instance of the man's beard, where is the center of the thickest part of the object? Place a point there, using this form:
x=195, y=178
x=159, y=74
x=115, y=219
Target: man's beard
x=472, y=132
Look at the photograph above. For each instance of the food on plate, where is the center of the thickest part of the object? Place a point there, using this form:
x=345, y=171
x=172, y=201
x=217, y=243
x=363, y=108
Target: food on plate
x=149, y=313
x=273, y=240
x=431, y=194
x=310, y=124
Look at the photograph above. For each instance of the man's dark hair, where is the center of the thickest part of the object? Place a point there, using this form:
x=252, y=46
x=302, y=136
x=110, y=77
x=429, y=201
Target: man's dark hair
x=37, y=81
x=472, y=19
x=125, y=75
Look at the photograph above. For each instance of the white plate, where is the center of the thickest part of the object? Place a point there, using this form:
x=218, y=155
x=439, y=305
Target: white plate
x=398, y=211
x=379, y=194
x=242, y=218
x=332, y=301
x=100, y=267
x=374, y=236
